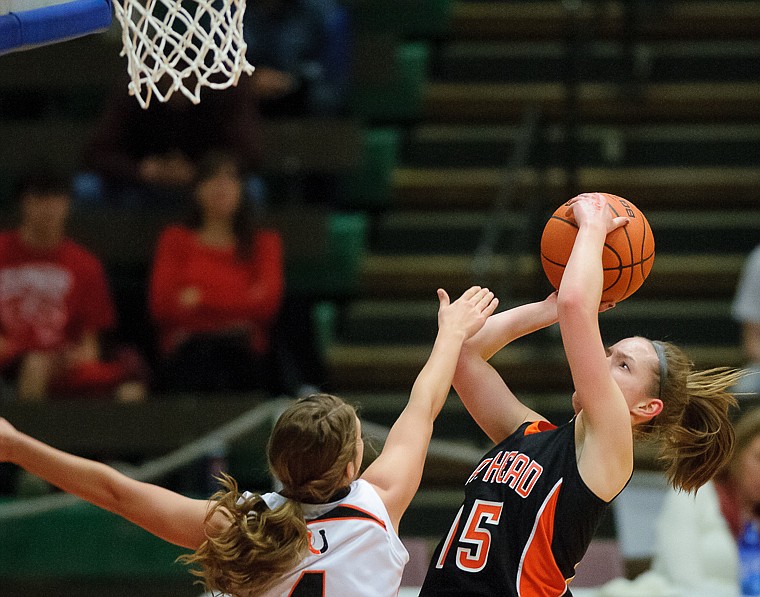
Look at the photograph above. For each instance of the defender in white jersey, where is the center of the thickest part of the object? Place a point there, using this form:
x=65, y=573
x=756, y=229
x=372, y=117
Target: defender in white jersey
x=352, y=547
x=327, y=532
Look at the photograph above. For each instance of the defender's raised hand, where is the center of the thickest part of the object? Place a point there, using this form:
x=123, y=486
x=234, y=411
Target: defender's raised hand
x=469, y=312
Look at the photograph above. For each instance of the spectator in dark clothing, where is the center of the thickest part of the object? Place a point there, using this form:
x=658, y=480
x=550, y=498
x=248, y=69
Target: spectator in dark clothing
x=300, y=49
x=150, y=157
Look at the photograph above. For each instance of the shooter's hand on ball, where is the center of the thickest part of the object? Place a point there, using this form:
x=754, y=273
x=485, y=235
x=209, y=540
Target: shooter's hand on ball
x=590, y=208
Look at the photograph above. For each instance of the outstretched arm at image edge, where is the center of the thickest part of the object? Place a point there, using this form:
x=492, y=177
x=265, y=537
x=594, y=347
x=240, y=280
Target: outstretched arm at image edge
x=173, y=517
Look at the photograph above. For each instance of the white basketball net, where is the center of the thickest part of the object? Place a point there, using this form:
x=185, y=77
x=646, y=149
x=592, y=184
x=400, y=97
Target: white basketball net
x=181, y=45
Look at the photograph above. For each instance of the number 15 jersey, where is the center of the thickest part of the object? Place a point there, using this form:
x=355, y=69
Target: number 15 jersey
x=526, y=521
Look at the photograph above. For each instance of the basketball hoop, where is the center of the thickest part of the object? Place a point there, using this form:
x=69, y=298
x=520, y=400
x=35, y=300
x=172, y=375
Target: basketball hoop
x=181, y=45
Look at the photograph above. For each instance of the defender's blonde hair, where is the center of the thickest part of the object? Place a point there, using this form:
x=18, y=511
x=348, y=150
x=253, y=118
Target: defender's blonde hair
x=310, y=448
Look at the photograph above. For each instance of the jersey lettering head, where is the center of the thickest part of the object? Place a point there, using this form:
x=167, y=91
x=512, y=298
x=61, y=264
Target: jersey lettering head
x=512, y=468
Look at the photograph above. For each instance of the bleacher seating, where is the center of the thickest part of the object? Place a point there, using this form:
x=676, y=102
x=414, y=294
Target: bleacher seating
x=49, y=100
x=681, y=149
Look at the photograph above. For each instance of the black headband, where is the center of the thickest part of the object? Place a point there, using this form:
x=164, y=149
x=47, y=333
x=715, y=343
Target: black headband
x=659, y=349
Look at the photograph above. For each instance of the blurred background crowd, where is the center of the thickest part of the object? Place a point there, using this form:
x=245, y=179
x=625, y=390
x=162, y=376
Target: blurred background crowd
x=287, y=235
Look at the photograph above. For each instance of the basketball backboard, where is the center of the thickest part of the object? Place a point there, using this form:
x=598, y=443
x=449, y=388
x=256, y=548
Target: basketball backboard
x=27, y=24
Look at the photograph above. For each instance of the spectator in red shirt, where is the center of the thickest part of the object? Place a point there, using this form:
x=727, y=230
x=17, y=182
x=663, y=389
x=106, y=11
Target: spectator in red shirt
x=216, y=289
x=54, y=304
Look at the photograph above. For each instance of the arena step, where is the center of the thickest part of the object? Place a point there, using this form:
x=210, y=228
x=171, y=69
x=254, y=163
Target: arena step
x=335, y=272
x=117, y=431
x=415, y=321
x=648, y=187
x=371, y=185
x=597, y=102
x=682, y=19
x=91, y=61
x=698, y=275
x=538, y=368
x=356, y=368
x=453, y=424
x=483, y=146
x=450, y=233
x=290, y=146
x=401, y=96
x=612, y=61
x=421, y=18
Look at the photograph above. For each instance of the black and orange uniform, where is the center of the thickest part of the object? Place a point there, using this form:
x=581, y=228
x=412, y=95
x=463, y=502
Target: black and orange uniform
x=526, y=521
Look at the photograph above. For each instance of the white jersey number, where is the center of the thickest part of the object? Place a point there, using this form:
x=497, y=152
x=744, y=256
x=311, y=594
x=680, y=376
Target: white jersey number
x=475, y=537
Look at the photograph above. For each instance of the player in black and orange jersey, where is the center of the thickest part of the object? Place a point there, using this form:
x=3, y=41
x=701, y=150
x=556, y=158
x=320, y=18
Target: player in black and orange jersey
x=534, y=502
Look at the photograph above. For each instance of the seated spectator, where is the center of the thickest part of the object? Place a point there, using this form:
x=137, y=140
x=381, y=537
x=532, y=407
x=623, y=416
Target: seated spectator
x=746, y=310
x=300, y=51
x=216, y=289
x=150, y=157
x=697, y=534
x=55, y=304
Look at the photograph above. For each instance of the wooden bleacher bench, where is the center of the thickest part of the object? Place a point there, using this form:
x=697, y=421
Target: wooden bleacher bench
x=90, y=62
x=671, y=19
x=418, y=276
x=598, y=102
x=421, y=18
x=125, y=237
x=310, y=144
x=289, y=146
x=656, y=188
x=389, y=367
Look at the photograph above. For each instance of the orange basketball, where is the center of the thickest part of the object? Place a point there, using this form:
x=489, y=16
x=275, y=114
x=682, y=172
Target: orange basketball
x=628, y=252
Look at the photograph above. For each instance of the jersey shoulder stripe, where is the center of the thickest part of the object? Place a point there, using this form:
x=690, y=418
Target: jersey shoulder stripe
x=538, y=427
x=347, y=512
